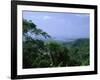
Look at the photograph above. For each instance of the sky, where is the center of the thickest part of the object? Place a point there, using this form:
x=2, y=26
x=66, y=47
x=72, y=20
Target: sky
x=61, y=24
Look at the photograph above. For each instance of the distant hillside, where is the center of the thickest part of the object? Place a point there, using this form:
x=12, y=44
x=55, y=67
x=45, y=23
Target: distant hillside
x=79, y=51
x=81, y=42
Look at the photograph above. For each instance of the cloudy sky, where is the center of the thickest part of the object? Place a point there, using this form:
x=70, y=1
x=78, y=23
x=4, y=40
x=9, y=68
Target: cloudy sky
x=60, y=25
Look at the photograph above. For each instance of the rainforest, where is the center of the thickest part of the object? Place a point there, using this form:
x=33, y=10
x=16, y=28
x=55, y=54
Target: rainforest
x=42, y=50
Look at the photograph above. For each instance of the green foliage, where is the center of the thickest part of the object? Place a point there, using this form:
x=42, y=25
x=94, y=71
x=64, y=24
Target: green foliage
x=79, y=52
x=39, y=53
x=28, y=25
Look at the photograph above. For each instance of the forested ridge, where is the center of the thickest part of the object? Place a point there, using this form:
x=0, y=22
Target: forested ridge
x=41, y=50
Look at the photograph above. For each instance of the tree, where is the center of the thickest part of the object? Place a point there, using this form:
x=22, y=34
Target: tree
x=30, y=27
x=59, y=54
x=32, y=48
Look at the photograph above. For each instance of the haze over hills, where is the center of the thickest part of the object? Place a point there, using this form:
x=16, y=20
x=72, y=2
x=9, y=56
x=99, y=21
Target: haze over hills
x=64, y=39
x=68, y=39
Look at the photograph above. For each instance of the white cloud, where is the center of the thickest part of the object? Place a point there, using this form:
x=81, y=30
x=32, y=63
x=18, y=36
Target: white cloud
x=46, y=17
x=82, y=16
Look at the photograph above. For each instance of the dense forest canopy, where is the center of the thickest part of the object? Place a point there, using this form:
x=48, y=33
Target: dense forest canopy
x=41, y=50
